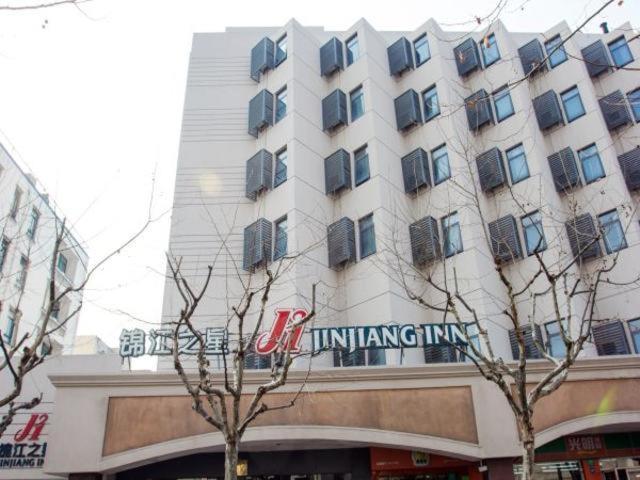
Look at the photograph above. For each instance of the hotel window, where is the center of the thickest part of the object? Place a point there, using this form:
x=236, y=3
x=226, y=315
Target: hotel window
x=10, y=329
x=620, y=52
x=572, y=102
x=359, y=358
x=634, y=329
x=440, y=160
x=555, y=344
x=502, y=103
x=33, y=224
x=357, y=103
x=517, y=160
x=4, y=248
x=591, y=164
x=280, y=244
x=451, y=234
x=21, y=280
x=281, y=50
x=612, y=231
x=533, y=233
x=558, y=56
x=281, y=104
x=431, y=105
x=55, y=311
x=281, y=168
x=421, y=46
x=15, y=205
x=634, y=101
x=474, y=337
x=489, y=48
x=367, y=236
x=62, y=263
x=361, y=160
x=353, y=50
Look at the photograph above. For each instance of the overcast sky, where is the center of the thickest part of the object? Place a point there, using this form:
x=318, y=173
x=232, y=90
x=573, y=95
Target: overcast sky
x=92, y=102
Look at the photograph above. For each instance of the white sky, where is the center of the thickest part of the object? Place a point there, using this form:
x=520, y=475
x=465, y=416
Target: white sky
x=93, y=105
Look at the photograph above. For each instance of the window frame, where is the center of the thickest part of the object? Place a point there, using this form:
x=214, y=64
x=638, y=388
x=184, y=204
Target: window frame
x=564, y=103
x=539, y=228
x=365, y=158
x=277, y=181
x=624, y=45
x=526, y=163
x=559, y=49
x=415, y=49
x=15, y=203
x=506, y=94
x=277, y=61
x=555, y=335
x=278, y=117
x=446, y=227
x=5, y=243
x=634, y=103
x=582, y=161
x=484, y=49
x=369, y=229
x=350, y=57
x=33, y=223
x=359, y=90
x=65, y=261
x=21, y=279
x=277, y=253
x=433, y=91
x=634, y=332
x=603, y=229
x=13, y=318
x=433, y=164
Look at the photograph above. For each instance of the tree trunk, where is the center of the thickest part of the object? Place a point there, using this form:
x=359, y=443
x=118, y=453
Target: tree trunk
x=231, y=460
x=528, y=450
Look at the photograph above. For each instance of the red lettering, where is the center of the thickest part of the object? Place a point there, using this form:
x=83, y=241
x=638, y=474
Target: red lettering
x=33, y=427
x=281, y=337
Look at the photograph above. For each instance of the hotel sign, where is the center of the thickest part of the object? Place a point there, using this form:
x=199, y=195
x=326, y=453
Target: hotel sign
x=286, y=335
x=26, y=450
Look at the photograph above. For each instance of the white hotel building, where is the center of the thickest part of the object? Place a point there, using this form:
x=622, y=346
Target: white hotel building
x=331, y=145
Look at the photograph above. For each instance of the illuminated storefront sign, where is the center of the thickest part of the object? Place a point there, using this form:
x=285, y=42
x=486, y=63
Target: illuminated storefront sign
x=26, y=450
x=285, y=335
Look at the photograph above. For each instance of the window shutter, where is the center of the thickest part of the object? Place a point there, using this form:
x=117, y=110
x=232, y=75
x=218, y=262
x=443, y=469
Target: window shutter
x=530, y=349
x=610, y=339
x=257, y=244
x=531, y=57
x=614, y=110
x=630, y=165
x=547, y=110
x=408, y=111
x=425, y=242
x=260, y=112
x=337, y=172
x=478, y=107
x=262, y=58
x=582, y=232
x=415, y=171
x=505, y=241
x=564, y=170
x=341, y=241
x=349, y=359
x=490, y=169
x=467, y=58
x=259, y=174
x=440, y=354
x=331, y=57
x=334, y=110
x=253, y=361
x=596, y=58
x=400, y=56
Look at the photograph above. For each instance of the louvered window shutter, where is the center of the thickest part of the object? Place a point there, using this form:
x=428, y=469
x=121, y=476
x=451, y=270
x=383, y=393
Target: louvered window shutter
x=341, y=243
x=610, y=339
x=262, y=58
x=564, y=170
x=260, y=112
x=259, y=174
x=530, y=349
x=505, y=241
x=547, y=110
x=478, y=107
x=408, y=113
x=614, y=110
x=331, y=57
x=257, y=244
x=532, y=56
x=596, y=59
x=630, y=165
x=425, y=241
x=491, y=169
x=337, y=172
x=400, y=56
x=440, y=354
x=415, y=171
x=466, y=56
x=334, y=110
x=583, y=235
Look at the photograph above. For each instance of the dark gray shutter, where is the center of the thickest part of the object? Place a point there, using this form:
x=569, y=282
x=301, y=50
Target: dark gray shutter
x=260, y=112
x=630, y=165
x=261, y=58
x=530, y=349
x=440, y=354
x=253, y=361
x=583, y=237
x=331, y=57
x=610, y=339
x=257, y=244
x=341, y=242
x=478, y=107
x=490, y=169
x=337, y=172
x=564, y=170
x=408, y=111
x=334, y=110
x=532, y=56
x=596, y=58
x=547, y=110
x=467, y=58
x=614, y=110
x=415, y=171
x=400, y=56
x=425, y=241
x=505, y=241
x=259, y=175
x=345, y=358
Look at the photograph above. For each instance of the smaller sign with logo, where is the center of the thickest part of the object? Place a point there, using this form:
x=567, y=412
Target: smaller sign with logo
x=585, y=445
x=26, y=451
x=420, y=459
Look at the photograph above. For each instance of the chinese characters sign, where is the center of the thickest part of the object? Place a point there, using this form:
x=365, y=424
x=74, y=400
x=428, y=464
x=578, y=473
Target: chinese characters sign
x=134, y=343
x=585, y=444
x=26, y=451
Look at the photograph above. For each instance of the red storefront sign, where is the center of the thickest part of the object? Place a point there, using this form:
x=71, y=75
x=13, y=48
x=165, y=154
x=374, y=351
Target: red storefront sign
x=388, y=461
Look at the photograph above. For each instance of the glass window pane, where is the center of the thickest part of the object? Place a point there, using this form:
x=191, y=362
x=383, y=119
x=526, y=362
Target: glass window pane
x=634, y=328
x=533, y=233
x=558, y=56
x=362, y=166
x=518, y=167
x=612, y=231
x=353, y=50
x=572, y=102
x=423, y=53
x=555, y=344
x=62, y=263
x=452, y=235
x=4, y=246
x=591, y=164
x=620, y=52
x=431, y=105
x=367, y=236
x=634, y=101
x=281, y=168
x=503, y=104
x=377, y=356
x=281, y=50
x=357, y=103
x=441, y=169
x=489, y=47
x=281, y=104
x=281, y=239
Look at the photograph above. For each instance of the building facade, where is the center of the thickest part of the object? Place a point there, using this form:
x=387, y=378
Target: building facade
x=339, y=158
